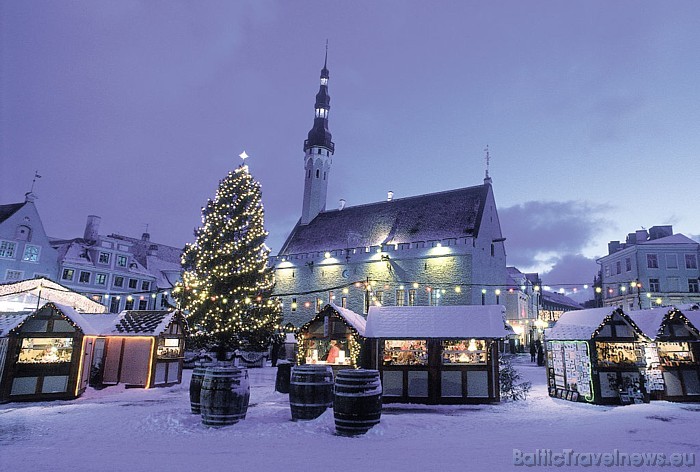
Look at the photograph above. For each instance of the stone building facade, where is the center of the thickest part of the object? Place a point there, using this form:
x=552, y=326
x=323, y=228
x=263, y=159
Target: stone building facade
x=444, y=248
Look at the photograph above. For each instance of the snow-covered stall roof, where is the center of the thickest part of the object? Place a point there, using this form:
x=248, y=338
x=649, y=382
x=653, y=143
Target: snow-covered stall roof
x=8, y=322
x=692, y=313
x=649, y=320
x=473, y=321
x=356, y=321
x=579, y=324
x=51, y=291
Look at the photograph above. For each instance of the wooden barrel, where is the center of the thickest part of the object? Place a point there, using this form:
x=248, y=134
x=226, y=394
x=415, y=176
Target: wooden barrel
x=357, y=401
x=196, y=388
x=310, y=391
x=224, y=396
x=284, y=373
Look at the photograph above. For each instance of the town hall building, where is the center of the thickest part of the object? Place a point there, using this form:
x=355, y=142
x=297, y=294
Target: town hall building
x=443, y=248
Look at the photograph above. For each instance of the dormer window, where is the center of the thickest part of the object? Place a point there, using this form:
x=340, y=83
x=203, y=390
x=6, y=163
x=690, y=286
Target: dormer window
x=321, y=113
x=324, y=80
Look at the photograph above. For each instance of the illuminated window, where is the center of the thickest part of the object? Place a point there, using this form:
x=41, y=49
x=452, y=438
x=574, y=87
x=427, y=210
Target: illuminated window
x=405, y=352
x=45, y=350
x=7, y=249
x=344, y=302
x=31, y=253
x=169, y=348
x=101, y=279
x=400, y=297
x=67, y=274
x=411, y=297
x=294, y=304
x=121, y=261
x=464, y=351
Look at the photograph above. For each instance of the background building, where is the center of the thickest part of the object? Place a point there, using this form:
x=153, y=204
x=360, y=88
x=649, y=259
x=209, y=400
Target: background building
x=443, y=248
x=650, y=268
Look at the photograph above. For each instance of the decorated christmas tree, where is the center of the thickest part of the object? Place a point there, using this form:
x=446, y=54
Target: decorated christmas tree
x=226, y=285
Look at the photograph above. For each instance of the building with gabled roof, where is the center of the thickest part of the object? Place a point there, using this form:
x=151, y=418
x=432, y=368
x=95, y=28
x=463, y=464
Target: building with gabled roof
x=25, y=251
x=444, y=248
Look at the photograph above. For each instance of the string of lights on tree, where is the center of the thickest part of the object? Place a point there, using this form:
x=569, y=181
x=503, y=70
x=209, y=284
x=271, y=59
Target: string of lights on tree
x=227, y=284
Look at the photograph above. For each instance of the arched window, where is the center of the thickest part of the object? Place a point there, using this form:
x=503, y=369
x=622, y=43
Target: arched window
x=317, y=173
x=23, y=233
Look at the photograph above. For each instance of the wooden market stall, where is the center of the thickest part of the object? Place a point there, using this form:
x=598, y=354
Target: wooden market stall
x=43, y=356
x=334, y=336
x=673, y=355
x=437, y=354
x=141, y=349
x=596, y=356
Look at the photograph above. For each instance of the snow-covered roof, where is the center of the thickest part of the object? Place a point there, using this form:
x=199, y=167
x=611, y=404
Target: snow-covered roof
x=579, y=324
x=649, y=320
x=692, y=313
x=677, y=238
x=8, y=322
x=356, y=321
x=556, y=298
x=473, y=321
x=52, y=292
x=449, y=214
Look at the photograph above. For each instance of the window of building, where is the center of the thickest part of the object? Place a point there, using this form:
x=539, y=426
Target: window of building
x=294, y=304
x=67, y=274
x=607, y=271
x=84, y=277
x=473, y=351
x=411, y=297
x=104, y=258
x=318, y=173
x=133, y=283
x=654, y=285
x=618, y=267
x=691, y=262
x=7, y=249
x=45, y=350
x=129, y=304
x=652, y=261
x=344, y=302
x=331, y=297
x=14, y=275
x=121, y=261
x=671, y=261
x=693, y=286
x=114, y=305
x=379, y=295
x=143, y=304
x=164, y=301
x=23, y=233
x=628, y=264
x=145, y=285
x=118, y=281
x=400, y=297
x=31, y=253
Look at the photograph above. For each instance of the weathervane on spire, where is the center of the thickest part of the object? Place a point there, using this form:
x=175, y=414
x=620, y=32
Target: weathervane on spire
x=488, y=161
x=36, y=176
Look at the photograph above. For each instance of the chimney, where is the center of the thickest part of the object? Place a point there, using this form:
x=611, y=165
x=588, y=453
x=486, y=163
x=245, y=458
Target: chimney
x=641, y=235
x=92, y=228
x=389, y=196
x=342, y=204
x=657, y=232
x=613, y=247
x=145, y=237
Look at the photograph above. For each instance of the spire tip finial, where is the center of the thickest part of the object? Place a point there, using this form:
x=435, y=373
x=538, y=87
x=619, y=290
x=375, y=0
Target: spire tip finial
x=488, y=161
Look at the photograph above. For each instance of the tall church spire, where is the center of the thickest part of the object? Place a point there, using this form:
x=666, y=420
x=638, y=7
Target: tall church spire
x=318, y=149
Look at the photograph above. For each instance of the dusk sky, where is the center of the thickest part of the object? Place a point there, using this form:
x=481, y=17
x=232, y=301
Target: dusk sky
x=134, y=110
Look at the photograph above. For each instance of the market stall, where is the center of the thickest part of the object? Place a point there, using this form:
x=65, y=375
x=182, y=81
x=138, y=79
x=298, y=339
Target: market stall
x=334, y=336
x=437, y=354
x=673, y=355
x=597, y=356
x=43, y=356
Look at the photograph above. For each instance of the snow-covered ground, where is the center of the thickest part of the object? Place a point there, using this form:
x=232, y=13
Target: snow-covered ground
x=116, y=429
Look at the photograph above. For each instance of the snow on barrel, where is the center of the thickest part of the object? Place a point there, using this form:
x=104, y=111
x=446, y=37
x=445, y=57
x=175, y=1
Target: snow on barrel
x=357, y=401
x=310, y=391
x=224, y=396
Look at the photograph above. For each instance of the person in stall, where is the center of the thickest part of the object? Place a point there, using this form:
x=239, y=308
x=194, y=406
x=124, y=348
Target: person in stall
x=333, y=353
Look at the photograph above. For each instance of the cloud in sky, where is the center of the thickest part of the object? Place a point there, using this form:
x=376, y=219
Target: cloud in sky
x=551, y=237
